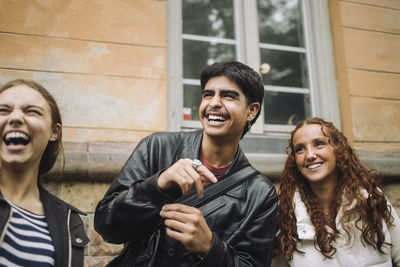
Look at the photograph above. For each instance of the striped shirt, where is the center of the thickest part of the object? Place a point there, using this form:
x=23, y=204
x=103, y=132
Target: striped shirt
x=27, y=240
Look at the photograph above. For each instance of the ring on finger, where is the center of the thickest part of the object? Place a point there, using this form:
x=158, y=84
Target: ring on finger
x=196, y=164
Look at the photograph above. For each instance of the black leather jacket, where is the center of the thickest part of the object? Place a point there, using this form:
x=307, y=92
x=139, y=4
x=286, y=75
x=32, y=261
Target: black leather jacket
x=66, y=228
x=242, y=221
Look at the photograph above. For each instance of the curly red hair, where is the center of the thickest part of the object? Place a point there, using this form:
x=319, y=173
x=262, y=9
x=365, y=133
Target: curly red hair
x=353, y=176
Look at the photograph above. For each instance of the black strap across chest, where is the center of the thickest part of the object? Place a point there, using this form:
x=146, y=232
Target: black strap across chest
x=224, y=185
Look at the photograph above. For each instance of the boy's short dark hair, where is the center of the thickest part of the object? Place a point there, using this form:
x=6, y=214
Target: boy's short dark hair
x=245, y=77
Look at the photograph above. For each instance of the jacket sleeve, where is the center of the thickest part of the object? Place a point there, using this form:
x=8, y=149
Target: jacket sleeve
x=130, y=208
x=254, y=245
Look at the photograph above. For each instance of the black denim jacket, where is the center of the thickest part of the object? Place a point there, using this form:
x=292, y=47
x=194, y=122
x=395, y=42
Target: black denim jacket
x=65, y=225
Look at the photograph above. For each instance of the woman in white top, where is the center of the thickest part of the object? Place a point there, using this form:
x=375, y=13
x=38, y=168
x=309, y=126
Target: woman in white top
x=331, y=211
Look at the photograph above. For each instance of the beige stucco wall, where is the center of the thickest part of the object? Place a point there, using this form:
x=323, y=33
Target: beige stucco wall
x=367, y=56
x=105, y=63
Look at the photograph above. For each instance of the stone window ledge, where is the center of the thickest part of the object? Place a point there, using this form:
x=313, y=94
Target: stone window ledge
x=102, y=161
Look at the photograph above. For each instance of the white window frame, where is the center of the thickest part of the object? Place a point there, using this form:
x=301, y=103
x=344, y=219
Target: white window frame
x=319, y=54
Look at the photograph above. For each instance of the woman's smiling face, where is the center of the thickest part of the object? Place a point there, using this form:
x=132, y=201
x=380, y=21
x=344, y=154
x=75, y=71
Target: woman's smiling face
x=26, y=126
x=315, y=156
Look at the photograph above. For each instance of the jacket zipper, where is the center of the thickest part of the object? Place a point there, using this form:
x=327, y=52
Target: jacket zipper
x=69, y=239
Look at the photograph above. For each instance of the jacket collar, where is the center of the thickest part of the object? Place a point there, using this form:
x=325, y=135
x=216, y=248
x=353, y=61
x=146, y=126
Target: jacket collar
x=305, y=229
x=195, y=140
x=193, y=145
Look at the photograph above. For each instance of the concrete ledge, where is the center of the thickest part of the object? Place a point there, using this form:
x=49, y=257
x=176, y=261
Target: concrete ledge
x=386, y=163
x=91, y=162
x=101, y=162
x=270, y=165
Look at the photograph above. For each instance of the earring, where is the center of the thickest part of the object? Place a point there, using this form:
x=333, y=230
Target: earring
x=248, y=125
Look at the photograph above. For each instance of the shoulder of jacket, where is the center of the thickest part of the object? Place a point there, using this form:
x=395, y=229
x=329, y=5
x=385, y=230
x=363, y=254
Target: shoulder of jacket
x=262, y=183
x=172, y=137
x=263, y=180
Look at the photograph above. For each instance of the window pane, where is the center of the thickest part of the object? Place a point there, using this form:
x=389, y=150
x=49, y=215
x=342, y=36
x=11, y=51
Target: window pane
x=198, y=55
x=208, y=18
x=286, y=108
x=284, y=68
x=191, y=102
x=280, y=22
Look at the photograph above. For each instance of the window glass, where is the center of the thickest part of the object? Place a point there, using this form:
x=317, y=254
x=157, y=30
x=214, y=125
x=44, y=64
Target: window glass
x=197, y=55
x=191, y=102
x=280, y=22
x=283, y=61
x=284, y=68
x=285, y=108
x=208, y=18
x=208, y=36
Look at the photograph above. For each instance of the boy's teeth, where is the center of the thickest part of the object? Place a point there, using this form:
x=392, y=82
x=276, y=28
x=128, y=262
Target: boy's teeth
x=214, y=117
